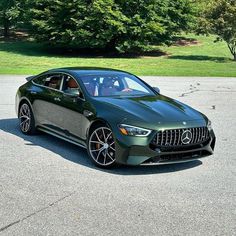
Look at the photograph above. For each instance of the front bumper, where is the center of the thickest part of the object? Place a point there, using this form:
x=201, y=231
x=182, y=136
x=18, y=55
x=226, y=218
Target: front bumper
x=137, y=151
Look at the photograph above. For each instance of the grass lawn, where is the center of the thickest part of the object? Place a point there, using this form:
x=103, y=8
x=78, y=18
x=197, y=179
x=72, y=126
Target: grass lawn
x=203, y=59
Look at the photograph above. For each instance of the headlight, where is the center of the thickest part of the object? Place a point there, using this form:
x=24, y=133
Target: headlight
x=133, y=131
x=209, y=125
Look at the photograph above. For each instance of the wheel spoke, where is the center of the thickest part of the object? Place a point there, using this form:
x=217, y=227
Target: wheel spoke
x=24, y=126
x=96, y=142
x=99, y=154
x=108, y=136
x=96, y=150
x=112, y=143
x=104, y=135
x=99, y=145
x=24, y=121
x=110, y=157
x=105, y=158
x=98, y=137
x=24, y=118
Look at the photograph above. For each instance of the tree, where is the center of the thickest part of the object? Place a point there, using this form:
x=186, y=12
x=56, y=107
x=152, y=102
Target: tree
x=219, y=18
x=153, y=22
x=122, y=25
x=9, y=13
x=75, y=23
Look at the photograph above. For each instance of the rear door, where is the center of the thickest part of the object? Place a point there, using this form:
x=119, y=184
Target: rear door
x=47, y=105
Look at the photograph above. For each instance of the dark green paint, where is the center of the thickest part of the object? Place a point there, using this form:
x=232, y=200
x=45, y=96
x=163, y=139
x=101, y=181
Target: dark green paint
x=67, y=117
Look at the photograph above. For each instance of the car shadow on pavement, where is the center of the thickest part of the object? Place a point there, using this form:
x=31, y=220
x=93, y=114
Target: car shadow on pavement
x=79, y=155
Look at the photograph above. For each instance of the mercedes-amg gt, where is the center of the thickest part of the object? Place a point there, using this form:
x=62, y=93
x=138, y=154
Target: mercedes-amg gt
x=116, y=116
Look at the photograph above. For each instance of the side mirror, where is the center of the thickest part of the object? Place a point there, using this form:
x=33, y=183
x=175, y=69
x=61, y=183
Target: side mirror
x=73, y=93
x=157, y=89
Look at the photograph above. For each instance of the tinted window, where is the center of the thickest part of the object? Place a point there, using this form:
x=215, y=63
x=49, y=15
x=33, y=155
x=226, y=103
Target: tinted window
x=70, y=85
x=52, y=81
x=40, y=80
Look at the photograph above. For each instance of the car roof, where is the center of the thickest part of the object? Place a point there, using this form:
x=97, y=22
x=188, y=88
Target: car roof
x=87, y=70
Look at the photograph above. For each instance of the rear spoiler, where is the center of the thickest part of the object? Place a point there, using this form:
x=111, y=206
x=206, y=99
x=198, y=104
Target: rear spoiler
x=29, y=78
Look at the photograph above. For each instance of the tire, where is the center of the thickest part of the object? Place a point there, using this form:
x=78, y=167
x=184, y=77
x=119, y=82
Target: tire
x=101, y=147
x=26, y=119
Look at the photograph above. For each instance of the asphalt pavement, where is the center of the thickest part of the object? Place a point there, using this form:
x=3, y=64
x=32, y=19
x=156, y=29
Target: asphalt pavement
x=50, y=187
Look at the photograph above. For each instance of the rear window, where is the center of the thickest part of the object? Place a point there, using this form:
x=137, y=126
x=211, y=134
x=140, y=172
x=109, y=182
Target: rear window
x=40, y=80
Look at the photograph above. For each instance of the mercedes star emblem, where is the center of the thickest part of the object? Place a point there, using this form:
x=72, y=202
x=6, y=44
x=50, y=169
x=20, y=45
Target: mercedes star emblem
x=186, y=137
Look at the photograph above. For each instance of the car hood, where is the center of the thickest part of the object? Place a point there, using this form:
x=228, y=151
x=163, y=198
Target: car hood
x=157, y=109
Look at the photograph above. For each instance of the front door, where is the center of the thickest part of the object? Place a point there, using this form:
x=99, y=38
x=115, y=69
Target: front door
x=71, y=110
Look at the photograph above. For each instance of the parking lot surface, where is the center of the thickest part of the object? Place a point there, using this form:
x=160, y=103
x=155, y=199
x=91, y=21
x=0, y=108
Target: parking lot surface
x=50, y=187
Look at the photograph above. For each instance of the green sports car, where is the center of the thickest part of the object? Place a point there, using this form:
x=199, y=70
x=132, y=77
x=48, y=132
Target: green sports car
x=116, y=116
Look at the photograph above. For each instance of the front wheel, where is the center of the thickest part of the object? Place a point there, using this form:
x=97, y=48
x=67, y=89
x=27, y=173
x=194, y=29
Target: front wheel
x=26, y=119
x=101, y=147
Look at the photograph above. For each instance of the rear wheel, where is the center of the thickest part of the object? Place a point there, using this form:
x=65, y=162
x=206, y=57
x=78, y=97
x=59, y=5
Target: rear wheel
x=101, y=147
x=26, y=118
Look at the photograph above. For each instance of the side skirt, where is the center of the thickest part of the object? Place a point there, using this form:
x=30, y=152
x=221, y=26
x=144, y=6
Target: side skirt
x=61, y=137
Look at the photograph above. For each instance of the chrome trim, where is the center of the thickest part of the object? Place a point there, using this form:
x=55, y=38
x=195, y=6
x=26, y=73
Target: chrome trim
x=179, y=138
x=186, y=137
x=173, y=137
x=196, y=138
x=57, y=99
x=162, y=137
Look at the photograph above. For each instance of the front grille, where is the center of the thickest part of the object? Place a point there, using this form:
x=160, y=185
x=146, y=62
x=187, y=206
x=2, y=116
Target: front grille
x=173, y=137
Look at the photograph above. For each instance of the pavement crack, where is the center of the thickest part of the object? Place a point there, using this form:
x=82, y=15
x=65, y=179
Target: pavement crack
x=187, y=93
x=36, y=212
x=202, y=90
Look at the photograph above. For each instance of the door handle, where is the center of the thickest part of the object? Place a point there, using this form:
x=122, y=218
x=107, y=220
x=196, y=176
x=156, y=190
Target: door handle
x=57, y=99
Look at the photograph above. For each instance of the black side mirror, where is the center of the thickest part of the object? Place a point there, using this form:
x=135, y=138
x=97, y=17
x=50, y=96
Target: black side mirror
x=157, y=89
x=74, y=94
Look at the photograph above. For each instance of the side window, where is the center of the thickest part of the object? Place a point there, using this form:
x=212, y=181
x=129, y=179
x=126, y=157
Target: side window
x=53, y=81
x=40, y=80
x=70, y=85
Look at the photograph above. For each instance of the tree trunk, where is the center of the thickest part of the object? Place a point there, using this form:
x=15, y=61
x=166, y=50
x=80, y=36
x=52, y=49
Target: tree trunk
x=232, y=49
x=6, y=31
x=6, y=26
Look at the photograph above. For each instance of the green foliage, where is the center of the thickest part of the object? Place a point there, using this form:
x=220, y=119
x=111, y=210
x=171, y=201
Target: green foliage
x=9, y=13
x=219, y=18
x=122, y=25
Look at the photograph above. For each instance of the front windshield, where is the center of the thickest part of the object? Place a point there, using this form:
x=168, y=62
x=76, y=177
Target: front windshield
x=111, y=85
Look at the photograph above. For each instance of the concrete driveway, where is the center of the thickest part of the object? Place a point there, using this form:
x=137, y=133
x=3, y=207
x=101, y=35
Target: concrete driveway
x=50, y=187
